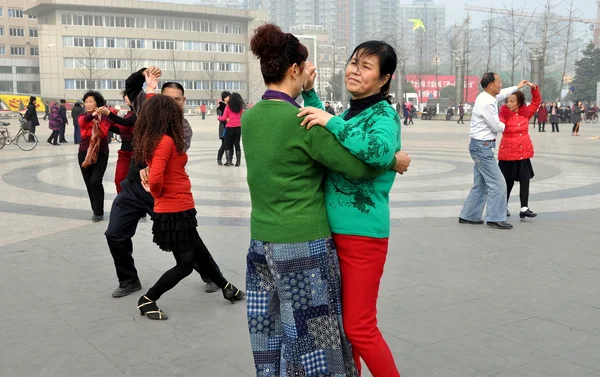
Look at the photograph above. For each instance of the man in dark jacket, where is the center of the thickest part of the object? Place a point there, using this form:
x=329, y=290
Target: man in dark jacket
x=329, y=109
x=32, y=117
x=76, y=111
x=65, y=121
x=47, y=111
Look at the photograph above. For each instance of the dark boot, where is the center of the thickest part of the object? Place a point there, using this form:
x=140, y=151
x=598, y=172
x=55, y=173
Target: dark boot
x=220, y=157
x=228, y=157
x=238, y=158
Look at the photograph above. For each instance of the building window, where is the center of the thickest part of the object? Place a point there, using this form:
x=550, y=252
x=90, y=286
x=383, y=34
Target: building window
x=31, y=17
x=2, y=50
x=5, y=69
x=17, y=51
x=16, y=32
x=6, y=86
x=34, y=51
x=33, y=33
x=15, y=13
x=1, y=29
x=30, y=87
x=1, y=11
x=28, y=70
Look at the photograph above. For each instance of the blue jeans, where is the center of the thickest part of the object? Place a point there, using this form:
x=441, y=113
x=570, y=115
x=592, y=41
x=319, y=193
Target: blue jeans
x=488, y=185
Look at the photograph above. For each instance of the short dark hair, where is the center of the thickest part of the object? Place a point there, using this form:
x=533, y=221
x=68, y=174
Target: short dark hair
x=487, y=79
x=277, y=51
x=520, y=97
x=32, y=99
x=224, y=95
x=63, y=101
x=388, y=60
x=173, y=85
x=327, y=102
x=100, y=101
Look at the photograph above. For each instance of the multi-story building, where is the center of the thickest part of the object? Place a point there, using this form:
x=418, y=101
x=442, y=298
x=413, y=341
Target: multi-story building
x=425, y=44
x=19, y=64
x=375, y=19
x=329, y=57
x=203, y=48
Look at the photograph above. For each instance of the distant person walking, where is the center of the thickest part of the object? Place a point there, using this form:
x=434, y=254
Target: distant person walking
x=76, y=111
x=542, y=113
x=233, y=131
x=461, y=113
x=578, y=109
x=489, y=184
x=203, y=111
x=222, y=124
x=554, y=117
x=63, y=126
x=32, y=117
x=329, y=109
x=46, y=111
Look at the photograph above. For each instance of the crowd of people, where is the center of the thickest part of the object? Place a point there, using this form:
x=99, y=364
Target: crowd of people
x=319, y=186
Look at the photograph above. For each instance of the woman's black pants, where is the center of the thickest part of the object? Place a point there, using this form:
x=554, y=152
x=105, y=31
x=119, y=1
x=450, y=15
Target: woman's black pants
x=232, y=137
x=221, y=149
x=53, y=137
x=555, y=127
x=92, y=176
x=185, y=263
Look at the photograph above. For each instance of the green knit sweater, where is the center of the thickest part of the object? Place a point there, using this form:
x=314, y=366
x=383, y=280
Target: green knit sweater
x=286, y=168
x=361, y=207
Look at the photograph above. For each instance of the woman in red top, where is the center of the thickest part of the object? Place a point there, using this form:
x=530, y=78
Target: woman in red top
x=542, y=117
x=516, y=148
x=93, y=150
x=233, y=132
x=159, y=141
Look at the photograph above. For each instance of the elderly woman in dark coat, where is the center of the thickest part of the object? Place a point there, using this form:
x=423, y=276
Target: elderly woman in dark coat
x=31, y=116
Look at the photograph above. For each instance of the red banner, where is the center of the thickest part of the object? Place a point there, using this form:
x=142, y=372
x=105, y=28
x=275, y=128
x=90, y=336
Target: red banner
x=428, y=88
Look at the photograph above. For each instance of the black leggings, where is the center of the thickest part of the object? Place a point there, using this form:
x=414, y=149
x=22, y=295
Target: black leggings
x=523, y=192
x=542, y=126
x=576, y=127
x=92, y=176
x=185, y=264
x=555, y=127
x=232, y=137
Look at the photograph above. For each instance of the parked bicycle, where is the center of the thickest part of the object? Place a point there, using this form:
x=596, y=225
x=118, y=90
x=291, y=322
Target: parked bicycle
x=591, y=116
x=23, y=137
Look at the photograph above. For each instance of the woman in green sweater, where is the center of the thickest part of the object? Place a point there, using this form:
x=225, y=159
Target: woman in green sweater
x=294, y=309
x=358, y=210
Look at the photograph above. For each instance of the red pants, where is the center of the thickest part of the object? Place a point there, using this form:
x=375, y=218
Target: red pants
x=122, y=168
x=361, y=264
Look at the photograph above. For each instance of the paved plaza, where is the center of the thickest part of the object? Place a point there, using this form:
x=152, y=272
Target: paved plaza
x=456, y=300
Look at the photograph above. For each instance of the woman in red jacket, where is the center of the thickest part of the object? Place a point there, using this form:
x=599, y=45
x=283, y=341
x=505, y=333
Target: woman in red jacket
x=93, y=150
x=233, y=132
x=159, y=141
x=516, y=148
x=542, y=117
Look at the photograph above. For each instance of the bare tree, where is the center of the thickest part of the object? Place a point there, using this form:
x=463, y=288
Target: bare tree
x=176, y=66
x=91, y=64
x=568, y=31
x=436, y=58
x=132, y=57
x=210, y=76
x=467, y=49
x=491, y=41
x=513, y=39
x=422, y=61
x=398, y=41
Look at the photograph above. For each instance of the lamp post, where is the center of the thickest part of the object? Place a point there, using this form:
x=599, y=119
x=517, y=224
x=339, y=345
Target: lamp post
x=459, y=80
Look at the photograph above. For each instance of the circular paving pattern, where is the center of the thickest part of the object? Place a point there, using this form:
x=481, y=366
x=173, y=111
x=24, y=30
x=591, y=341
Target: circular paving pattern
x=435, y=186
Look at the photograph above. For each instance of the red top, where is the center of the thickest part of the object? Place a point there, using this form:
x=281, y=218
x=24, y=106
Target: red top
x=543, y=114
x=85, y=121
x=203, y=108
x=169, y=183
x=516, y=143
x=235, y=119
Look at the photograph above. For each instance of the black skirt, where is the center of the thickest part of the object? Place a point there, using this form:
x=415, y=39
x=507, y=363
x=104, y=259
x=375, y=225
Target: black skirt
x=520, y=170
x=176, y=231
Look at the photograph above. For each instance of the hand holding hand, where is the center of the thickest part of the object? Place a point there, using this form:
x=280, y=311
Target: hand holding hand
x=532, y=85
x=314, y=117
x=312, y=75
x=102, y=110
x=154, y=71
x=144, y=177
x=402, y=162
x=522, y=84
x=151, y=82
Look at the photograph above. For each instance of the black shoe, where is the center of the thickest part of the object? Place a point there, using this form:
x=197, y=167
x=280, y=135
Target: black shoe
x=231, y=293
x=219, y=162
x=527, y=213
x=499, y=225
x=507, y=213
x=97, y=218
x=63, y=141
x=463, y=221
x=150, y=309
x=127, y=290
x=211, y=287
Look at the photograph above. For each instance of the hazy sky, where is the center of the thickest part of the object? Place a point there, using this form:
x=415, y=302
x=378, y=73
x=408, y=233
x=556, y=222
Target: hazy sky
x=455, y=8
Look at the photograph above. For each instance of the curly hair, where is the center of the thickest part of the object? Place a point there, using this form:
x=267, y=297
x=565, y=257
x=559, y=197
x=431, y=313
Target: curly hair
x=98, y=97
x=159, y=116
x=236, y=103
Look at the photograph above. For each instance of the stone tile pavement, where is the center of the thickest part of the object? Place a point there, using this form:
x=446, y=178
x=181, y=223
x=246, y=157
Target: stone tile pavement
x=456, y=300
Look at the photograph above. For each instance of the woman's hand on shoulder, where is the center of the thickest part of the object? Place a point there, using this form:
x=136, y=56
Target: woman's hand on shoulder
x=314, y=117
